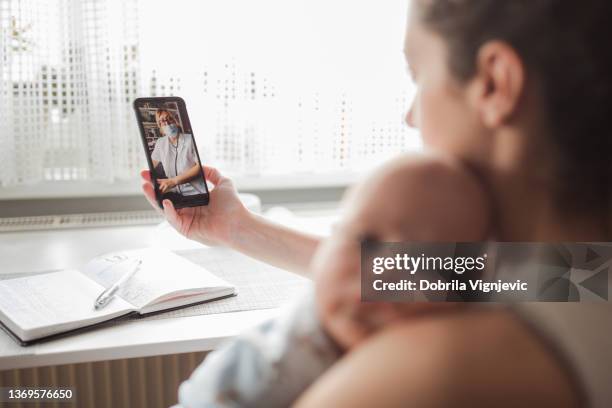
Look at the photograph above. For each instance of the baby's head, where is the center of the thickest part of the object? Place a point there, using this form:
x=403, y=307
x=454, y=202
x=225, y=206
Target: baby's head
x=415, y=198
x=422, y=198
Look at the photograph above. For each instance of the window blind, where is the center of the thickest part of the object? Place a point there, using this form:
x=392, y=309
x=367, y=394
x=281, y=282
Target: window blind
x=272, y=87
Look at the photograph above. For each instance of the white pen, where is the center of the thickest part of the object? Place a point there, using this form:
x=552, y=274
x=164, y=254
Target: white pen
x=108, y=294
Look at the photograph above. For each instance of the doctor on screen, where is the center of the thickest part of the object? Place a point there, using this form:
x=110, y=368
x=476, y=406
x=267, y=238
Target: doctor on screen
x=176, y=153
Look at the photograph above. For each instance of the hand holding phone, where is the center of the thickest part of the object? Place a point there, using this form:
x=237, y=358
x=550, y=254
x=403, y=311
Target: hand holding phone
x=172, y=155
x=214, y=224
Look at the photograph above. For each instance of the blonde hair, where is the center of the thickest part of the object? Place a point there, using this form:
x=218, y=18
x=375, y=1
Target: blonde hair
x=160, y=112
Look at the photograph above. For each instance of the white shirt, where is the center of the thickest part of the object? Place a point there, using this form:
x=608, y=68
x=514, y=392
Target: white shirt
x=178, y=159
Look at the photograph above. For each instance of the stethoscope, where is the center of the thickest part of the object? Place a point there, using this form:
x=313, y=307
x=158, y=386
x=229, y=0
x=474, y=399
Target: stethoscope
x=178, y=186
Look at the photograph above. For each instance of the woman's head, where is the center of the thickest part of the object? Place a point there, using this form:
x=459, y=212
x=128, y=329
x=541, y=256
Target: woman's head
x=166, y=122
x=531, y=76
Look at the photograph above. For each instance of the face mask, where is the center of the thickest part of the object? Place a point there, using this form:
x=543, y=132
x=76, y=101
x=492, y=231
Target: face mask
x=170, y=130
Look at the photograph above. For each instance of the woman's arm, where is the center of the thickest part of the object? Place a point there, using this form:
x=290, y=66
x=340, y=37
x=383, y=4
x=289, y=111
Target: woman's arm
x=273, y=243
x=225, y=221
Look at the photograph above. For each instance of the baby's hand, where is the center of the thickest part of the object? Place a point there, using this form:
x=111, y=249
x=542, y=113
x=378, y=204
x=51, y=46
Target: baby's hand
x=347, y=319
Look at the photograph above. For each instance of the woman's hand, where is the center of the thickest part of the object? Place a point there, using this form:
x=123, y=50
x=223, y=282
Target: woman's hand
x=212, y=224
x=225, y=221
x=166, y=185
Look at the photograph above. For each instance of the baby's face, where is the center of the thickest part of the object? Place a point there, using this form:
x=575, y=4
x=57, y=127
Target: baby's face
x=371, y=210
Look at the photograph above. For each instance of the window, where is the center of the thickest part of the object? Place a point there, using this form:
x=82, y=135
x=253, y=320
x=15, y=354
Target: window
x=273, y=87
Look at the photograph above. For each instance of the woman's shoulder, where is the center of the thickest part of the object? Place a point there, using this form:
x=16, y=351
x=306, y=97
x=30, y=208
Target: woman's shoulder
x=466, y=358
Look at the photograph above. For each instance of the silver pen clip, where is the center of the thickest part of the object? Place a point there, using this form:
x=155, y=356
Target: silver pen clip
x=109, y=293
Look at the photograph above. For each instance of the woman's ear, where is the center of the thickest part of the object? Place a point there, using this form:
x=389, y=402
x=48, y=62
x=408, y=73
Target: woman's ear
x=498, y=83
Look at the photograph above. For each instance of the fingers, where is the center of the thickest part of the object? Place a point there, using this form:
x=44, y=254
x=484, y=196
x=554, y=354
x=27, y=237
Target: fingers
x=170, y=213
x=148, y=190
x=146, y=175
x=149, y=193
x=213, y=175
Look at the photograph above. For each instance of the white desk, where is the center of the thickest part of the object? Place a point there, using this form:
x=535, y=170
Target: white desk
x=40, y=251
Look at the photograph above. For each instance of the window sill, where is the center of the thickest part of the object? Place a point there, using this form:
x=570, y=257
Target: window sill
x=81, y=189
x=87, y=197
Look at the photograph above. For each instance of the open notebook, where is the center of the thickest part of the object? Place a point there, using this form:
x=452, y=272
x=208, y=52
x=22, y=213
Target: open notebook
x=42, y=306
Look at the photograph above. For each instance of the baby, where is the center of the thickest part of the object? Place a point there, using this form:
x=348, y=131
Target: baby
x=417, y=198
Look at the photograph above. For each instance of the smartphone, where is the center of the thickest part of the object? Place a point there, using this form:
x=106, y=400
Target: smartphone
x=172, y=154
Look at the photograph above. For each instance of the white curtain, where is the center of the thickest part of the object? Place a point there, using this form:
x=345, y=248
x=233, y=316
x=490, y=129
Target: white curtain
x=68, y=69
x=272, y=86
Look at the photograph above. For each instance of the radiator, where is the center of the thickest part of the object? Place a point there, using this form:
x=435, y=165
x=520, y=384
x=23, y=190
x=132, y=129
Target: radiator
x=67, y=221
x=139, y=382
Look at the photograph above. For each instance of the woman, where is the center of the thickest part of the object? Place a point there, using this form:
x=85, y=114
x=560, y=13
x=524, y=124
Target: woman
x=176, y=154
x=518, y=92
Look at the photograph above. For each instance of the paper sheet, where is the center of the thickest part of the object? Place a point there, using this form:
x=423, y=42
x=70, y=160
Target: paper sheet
x=52, y=300
x=260, y=286
x=161, y=273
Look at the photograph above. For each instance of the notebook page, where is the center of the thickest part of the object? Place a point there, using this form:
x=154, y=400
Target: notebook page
x=40, y=305
x=162, y=274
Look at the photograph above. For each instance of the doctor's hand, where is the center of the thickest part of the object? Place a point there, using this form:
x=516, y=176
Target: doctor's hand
x=166, y=184
x=214, y=224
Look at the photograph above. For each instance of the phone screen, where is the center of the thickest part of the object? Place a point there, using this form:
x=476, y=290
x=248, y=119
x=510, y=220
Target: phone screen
x=172, y=154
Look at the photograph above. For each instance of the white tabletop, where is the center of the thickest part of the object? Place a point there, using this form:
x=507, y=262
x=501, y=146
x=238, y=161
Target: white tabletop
x=138, y=338
x=52, y=250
